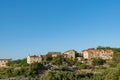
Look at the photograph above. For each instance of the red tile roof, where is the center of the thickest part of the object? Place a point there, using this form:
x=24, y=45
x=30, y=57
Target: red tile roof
x=91, y=48
x=98, y=50
x=65, y=55
x=43, y=56
x=109, y=50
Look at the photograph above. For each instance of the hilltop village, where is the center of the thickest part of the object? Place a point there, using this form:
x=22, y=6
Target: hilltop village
x=84, y=55
x=88, y=64
x=88, y=54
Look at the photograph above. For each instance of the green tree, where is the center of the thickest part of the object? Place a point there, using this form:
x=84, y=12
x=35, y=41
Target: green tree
x=33, y=70
x=111, y=74
x=58, y=60
x=98, y=61
x=101, y=47
x=36, y=66
x=49, y=57
x=9, y=72
x=83, y=66
x=69, y=61
x=18, y=63
x=116, y=57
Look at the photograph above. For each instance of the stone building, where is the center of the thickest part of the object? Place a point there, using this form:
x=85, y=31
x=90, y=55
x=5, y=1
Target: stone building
x=3, y=62
x=97, y=53
x=33, y=59
x=70, y=54
x=54, y=54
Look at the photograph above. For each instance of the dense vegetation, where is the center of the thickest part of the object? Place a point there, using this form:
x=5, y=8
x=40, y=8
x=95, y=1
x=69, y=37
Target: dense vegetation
x=60, y=68
x=21, y=68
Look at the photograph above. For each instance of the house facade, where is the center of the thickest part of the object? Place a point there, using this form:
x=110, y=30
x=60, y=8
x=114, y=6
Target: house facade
x=97, y=53
x=3, y=62
x=33, y=59
x=54, y=54
x=70, y=54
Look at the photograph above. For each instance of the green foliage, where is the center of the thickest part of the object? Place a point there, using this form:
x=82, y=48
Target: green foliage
x=49, y=57
x=58, y=60
x=18, y=63
x=116, y=50
x=83, y=66
x=64, y=68
x=111, y=74
x=66, y=76
x=69, y=61
x=112, y=64
x=34, y=69
x=17, y=69
x=98, y=61
x=116, y=57
x=101, y=47
x=76, y=53
x=36, y=66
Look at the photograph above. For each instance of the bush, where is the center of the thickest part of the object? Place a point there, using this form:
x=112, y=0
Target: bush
x=98, y=61
x=83, y=66
x=58, y=60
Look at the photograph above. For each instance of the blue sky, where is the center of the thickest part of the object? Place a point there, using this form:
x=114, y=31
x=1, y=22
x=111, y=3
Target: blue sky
x=39, y=26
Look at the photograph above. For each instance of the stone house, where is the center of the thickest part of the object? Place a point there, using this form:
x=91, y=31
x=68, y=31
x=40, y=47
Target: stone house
x=3, y=62
x=54, y=54
x=33, y=59
x=65, y=55
x=97, y=53
x=70, y=54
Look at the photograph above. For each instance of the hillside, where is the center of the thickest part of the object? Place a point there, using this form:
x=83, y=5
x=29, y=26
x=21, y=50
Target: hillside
x=60, y=68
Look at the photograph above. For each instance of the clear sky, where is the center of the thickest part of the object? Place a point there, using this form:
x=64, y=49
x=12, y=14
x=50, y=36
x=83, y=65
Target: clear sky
x=39, y=26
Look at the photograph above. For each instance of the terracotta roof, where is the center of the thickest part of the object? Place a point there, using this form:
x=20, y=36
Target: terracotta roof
x=91, y=48
x=98, y=50
x=84, y=50
x=43, y=56
x=109, y=50
x=65, y=55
